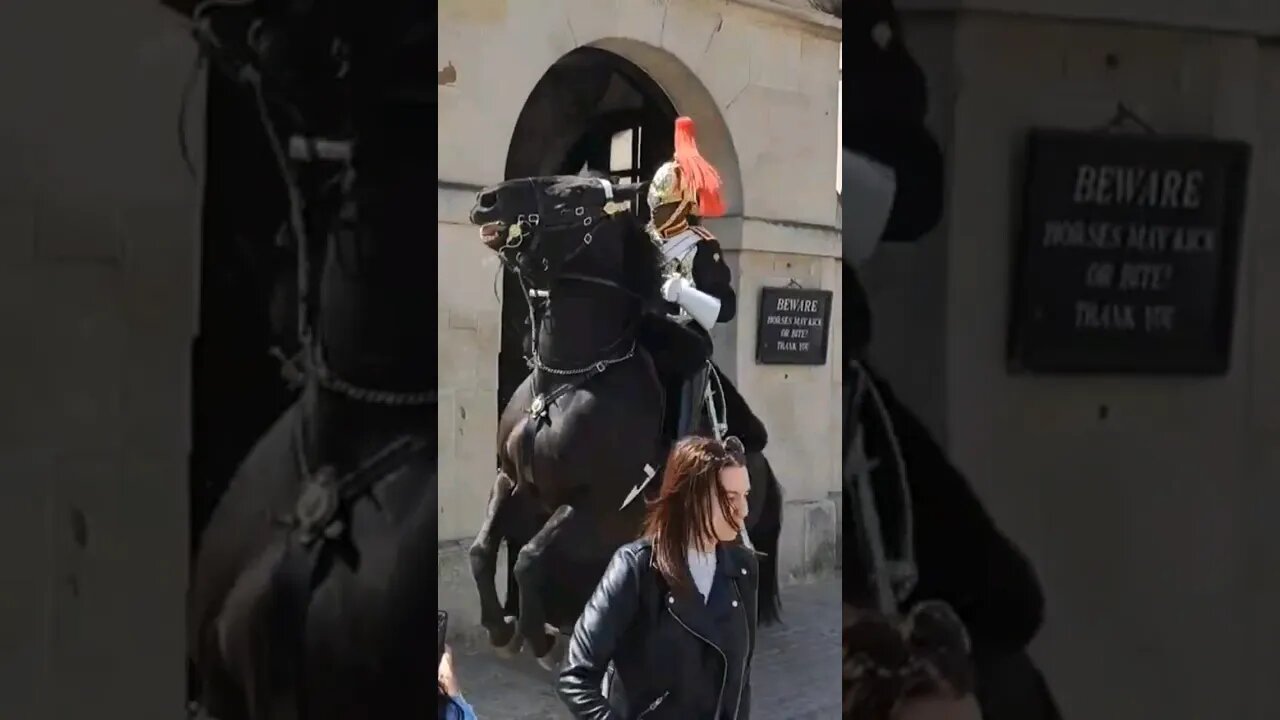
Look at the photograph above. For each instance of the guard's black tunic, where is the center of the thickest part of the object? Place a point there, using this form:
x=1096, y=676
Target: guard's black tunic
x=682, y=349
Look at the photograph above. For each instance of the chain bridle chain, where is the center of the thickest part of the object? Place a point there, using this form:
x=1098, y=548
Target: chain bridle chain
x=598, y=366
x=329, y=380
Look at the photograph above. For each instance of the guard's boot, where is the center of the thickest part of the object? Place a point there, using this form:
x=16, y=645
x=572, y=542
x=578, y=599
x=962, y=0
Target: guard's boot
x=691, y=403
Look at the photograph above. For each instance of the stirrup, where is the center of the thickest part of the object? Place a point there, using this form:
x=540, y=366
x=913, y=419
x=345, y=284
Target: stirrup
x=717, y=415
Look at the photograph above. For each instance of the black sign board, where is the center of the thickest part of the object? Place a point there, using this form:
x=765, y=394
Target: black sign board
x=793, y=326
x=1127, y=258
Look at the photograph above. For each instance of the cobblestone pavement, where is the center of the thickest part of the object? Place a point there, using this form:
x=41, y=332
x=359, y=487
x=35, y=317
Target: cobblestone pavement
x=796, y=675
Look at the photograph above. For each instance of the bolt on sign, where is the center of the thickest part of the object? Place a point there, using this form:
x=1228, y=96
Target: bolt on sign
x=1127, y=258
x=793, y=326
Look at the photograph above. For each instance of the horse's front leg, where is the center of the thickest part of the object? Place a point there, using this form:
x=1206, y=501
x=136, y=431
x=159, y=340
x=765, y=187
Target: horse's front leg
x=484, y=567
x=530, y=572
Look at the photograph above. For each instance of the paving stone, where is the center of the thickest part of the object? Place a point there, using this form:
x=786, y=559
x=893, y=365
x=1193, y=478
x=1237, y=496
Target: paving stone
x=796, y=674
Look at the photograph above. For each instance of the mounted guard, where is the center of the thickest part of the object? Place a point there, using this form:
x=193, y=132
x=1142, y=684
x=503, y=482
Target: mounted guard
x=698, y=293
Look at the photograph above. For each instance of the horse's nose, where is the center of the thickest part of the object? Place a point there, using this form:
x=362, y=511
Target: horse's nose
x=485, y=203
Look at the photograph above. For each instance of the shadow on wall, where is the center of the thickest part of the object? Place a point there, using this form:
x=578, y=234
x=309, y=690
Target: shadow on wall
x=830, y=7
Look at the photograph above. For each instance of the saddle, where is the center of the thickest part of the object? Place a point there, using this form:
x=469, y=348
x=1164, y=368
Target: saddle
x=677, y=351
x=680, y=355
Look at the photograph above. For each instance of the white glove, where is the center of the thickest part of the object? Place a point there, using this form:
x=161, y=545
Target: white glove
x=700, y=306
x=867, y=192
x=672, y=288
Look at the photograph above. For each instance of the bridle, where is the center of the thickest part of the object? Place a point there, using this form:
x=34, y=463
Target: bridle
x=892, y=577
x=302, y=149
x=528, y=233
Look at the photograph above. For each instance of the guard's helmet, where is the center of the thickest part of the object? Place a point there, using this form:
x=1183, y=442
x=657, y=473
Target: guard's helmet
x=688, y=179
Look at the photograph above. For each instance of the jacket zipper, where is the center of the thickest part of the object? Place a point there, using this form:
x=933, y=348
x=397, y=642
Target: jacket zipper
x=742, y=681
x=724, y=676
x=653, y=705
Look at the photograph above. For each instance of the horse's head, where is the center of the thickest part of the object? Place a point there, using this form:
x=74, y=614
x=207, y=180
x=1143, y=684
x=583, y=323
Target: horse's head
x=569, y=227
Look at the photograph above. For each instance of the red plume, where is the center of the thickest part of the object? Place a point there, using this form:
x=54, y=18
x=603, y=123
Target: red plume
x=695, y=172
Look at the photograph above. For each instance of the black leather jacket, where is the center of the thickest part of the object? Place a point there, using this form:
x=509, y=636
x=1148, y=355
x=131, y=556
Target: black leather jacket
x=640, y=652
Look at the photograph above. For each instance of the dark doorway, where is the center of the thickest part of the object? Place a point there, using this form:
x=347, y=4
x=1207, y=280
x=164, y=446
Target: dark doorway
x=591, y=109
x=236, y=386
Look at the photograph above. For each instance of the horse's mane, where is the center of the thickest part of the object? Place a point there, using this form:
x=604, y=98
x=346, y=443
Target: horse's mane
x=641, y=260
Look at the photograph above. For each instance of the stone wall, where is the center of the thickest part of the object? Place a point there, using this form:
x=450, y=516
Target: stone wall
x=1151, y=523
x=98, y=278
x=1251, y=17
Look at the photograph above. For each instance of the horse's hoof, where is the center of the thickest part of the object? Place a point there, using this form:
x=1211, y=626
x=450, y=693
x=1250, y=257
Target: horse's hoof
x=507, y=642
x=554, y=655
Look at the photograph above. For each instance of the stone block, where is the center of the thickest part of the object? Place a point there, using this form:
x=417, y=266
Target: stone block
x=17, y=232
x=25, y=617
x=810, y=543
x=688, y=30
x=775, y=58
x=724, y=66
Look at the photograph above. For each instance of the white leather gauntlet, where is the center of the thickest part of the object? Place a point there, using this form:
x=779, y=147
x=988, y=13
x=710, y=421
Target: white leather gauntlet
x=703, y=308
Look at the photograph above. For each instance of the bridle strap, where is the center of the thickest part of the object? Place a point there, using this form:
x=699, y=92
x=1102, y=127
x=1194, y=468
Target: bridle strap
x=599, y=281
x=532, y=226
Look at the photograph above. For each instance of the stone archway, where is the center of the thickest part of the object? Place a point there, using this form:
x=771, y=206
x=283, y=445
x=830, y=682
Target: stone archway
x=592, y=100
x=690, y=97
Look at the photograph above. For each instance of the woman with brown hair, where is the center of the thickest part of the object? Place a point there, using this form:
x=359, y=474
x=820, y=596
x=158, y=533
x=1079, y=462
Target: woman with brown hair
x=915, y=668
x=670, y=631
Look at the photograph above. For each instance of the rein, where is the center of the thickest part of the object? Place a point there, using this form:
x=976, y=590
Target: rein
x=892, y=578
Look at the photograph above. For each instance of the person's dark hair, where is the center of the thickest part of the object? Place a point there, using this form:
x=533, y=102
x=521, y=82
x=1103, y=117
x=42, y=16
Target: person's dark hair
x=888, y=663
x=681, y=516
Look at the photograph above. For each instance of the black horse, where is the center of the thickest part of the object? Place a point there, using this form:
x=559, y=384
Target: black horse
x=308, y=591
x=583, y=434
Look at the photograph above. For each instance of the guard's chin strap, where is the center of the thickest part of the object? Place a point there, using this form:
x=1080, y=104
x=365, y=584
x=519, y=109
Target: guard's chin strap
x=675, y=219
